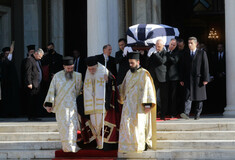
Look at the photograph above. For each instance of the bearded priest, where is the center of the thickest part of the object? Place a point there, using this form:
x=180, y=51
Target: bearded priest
x=100, y=96
x=65, y=86
x=138, y=119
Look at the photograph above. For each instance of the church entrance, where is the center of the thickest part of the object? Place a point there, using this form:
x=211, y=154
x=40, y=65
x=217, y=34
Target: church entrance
x=204, y=19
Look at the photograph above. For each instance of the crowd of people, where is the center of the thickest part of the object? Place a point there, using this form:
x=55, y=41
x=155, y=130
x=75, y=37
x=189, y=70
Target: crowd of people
x=113, y=100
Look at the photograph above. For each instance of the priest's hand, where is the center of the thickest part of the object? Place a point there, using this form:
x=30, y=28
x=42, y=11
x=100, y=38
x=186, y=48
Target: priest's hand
x=12, y=47
x=106, y=78
x=49, y=109
x=147, y=110
x=30, y=86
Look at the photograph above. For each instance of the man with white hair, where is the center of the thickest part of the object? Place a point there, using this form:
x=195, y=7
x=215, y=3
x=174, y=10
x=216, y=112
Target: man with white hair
x=61, y=99
x=158, y=70
x=33, y=79
x=100, y=101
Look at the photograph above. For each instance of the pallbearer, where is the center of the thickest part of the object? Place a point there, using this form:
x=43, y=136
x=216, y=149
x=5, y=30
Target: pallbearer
x=138, y=120
x=61, y=99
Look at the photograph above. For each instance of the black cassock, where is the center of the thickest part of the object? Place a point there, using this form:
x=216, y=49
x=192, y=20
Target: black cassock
x=10, y=106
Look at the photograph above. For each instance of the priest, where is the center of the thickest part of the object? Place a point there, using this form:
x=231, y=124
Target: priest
x=138, y=119
x=100, y=99
x=61, y=99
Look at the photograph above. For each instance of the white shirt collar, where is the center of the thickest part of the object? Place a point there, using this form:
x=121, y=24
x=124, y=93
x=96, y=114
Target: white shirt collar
x=194, y=51
x=107, y=57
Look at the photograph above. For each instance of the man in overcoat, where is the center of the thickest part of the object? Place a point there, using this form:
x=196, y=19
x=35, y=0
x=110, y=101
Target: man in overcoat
x=194, y=75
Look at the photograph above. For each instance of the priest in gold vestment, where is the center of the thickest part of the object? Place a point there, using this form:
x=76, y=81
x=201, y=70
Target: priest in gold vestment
x=138, y=119
x=61, y=99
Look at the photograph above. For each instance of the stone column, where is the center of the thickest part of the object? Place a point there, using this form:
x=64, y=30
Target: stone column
x=156, y=12
x=113, y=25
x=32, y=23
x=57, y=25
x=97, y=26
x=5, y=34
x=230, y=57
x=146, y=11
x=102, y=25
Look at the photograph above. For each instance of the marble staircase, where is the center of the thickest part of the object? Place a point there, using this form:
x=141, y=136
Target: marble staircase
x=208, y=138
x=28, y=140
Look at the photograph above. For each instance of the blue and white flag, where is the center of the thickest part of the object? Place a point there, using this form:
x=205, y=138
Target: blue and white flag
x=148, y=34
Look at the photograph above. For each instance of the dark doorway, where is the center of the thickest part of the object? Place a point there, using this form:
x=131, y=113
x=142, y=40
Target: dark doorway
x=199, y=18
x=75, y=26
x=196, y=18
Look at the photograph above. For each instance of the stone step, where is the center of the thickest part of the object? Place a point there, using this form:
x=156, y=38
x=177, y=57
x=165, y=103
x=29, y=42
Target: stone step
x=179, y=154
x=30, y=145
x=196, y=135
x=30, y=136
x=196, y=126
x=196, y=144
x=28, y=154
x=29, y=127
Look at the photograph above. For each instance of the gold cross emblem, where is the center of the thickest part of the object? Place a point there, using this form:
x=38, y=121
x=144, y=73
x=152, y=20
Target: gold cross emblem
x=106, y=131
x=101, y=82
x=88, y=82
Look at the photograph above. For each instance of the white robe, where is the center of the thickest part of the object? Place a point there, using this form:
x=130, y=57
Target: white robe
x=137, y=127
x=62, y=94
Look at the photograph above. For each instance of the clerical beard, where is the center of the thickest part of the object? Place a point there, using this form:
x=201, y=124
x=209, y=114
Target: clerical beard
x=69, y=75
x=133, y=69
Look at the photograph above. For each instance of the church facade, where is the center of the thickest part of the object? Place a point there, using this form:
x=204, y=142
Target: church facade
x=89, y=24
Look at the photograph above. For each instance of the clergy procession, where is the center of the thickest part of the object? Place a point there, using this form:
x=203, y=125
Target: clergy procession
x=113, y=101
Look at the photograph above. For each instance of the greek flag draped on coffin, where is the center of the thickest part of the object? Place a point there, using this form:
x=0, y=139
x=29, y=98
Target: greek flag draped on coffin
x=148, y=34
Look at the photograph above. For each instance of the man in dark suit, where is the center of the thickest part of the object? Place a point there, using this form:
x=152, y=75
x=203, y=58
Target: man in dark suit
x=31, y=50
x=111, y=64
x=219, y=74
x=158, y=70
x=79, y=63
x=122, y=60
x=194, y=76
x=173, y=76
x=53, y=60
x=33, y=82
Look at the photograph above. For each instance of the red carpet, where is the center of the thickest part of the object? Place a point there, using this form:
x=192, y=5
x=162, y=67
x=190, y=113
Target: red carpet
x=85, y=159
x=167, y=119
x=91, y=154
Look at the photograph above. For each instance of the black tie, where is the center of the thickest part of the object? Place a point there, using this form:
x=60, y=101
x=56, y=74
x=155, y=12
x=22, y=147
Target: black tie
x=192, y=55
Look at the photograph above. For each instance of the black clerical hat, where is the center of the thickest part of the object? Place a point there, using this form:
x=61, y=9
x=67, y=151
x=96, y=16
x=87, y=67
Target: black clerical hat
x=134, y=55
x=50, y=43
x=5, y=49
x=31, y=47
x=68, y=60
x=91, y=61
